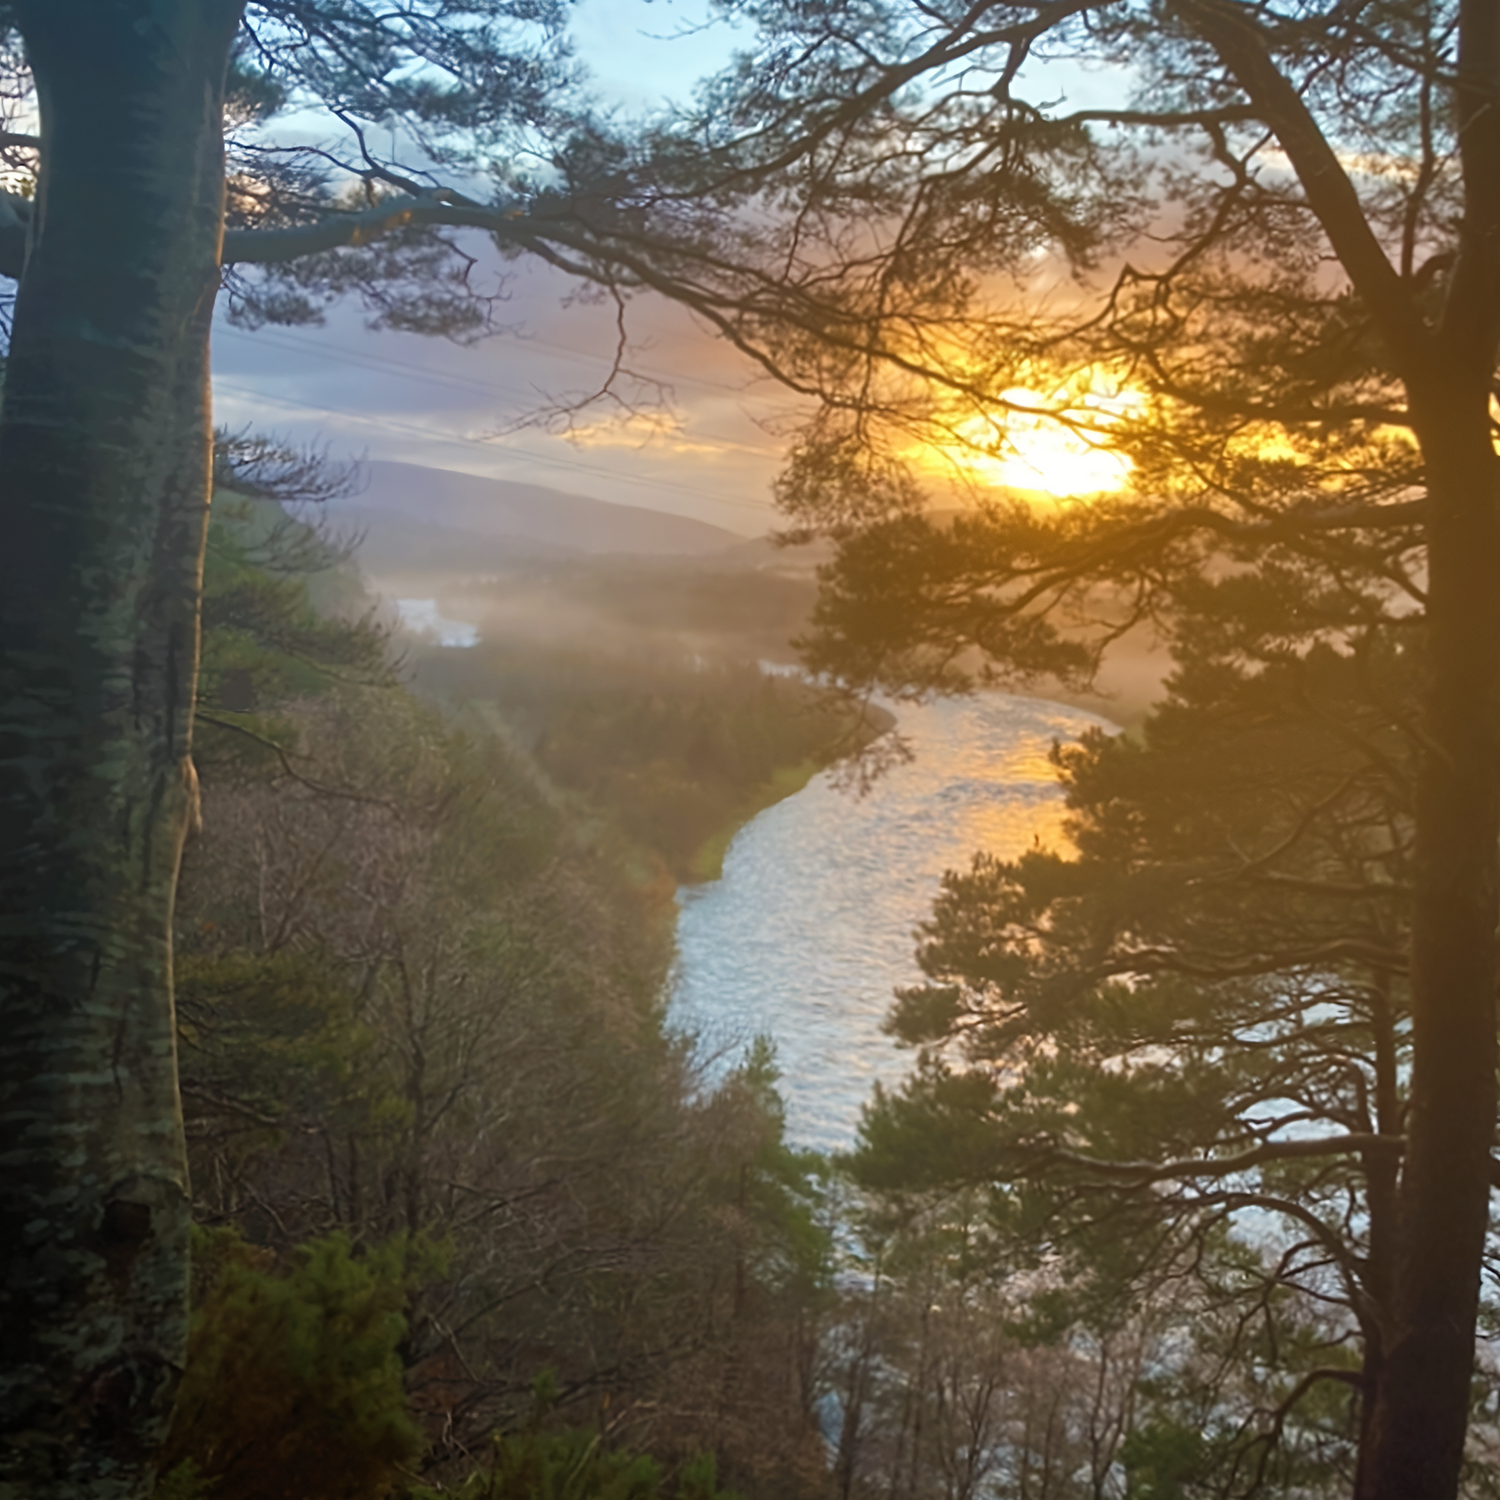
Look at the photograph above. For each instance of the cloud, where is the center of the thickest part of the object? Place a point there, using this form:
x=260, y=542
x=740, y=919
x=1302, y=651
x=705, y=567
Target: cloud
x=694, y=439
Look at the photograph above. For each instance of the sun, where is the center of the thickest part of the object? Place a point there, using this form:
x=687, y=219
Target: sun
x=1058, y=444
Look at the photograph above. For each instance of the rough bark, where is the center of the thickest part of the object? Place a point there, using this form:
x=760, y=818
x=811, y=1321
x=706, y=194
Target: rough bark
x=1382, y=1178
x=1421, y=1406
x=104, y=474
x=1415, y=1435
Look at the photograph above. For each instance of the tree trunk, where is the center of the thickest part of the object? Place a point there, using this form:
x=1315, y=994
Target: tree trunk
x=104, y=479
x=1416, y=1430
x=1382, y=1182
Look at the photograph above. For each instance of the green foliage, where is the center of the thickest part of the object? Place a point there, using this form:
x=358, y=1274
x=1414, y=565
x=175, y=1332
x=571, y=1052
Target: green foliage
x=283, y=617
x=268, y=1025
x=414, y=995
x=1164, y=1460
x=1134, y=1041
x=183, y=1482
x=293, y=1383
x=577, y=1466
x=781, y=1191
x=671, y=753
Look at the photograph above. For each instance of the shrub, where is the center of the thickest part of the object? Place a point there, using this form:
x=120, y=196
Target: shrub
x=293, y=1385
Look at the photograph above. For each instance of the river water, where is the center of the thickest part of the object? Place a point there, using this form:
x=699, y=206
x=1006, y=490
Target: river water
x=811, y=927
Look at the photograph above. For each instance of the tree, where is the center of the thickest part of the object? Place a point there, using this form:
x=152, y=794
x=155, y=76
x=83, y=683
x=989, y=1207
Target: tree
x=1297, y=217
x=105, y=451
x=1201, y=1013
x=920, y=177
x=957, y=1371
x=118, y=250
x=386, y=1030
x=295, y=1371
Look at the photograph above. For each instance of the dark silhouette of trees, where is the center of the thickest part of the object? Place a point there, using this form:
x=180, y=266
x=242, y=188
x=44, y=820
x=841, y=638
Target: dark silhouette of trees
x=1286, y=239
x=1198, y=1020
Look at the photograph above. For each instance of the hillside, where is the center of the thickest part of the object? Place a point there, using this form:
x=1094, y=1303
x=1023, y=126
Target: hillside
x=417, y=519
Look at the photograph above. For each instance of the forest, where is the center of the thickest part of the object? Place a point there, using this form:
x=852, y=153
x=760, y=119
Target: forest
x=639, y=687
x=473, y=1220
x=346, y=1148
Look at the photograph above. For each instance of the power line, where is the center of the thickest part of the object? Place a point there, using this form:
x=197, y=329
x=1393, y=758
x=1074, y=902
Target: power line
x=324, y=347
x=381, y=364
x=460, y=383
x=389, y=424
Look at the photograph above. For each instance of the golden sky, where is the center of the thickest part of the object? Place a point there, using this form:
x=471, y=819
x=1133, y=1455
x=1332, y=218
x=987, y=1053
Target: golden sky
x=708, y=443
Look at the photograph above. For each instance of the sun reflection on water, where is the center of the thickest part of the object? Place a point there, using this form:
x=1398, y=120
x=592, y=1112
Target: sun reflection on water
x=811, y=928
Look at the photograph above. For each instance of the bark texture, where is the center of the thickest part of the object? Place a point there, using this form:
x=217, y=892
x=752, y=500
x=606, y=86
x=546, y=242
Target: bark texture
x=104, y=476
x=1420, y=1405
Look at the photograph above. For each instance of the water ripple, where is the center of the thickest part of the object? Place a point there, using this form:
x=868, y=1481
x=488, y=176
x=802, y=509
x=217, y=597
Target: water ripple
x=811, y=927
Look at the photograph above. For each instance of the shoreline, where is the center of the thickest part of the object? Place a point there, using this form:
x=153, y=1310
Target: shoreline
x=1130, y=683
x=707, y=863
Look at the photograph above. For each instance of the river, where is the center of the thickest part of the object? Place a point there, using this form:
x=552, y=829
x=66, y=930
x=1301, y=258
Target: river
x=811, y=927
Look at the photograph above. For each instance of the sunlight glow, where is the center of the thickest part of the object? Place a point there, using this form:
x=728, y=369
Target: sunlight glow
x=1063, y=450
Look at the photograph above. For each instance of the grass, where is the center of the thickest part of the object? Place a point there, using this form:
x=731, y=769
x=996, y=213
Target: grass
x=707, y=862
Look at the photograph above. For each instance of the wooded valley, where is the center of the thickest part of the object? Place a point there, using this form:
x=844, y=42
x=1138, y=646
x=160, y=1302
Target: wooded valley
x=472, y=1220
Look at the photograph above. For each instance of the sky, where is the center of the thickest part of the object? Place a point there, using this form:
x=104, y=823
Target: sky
x=704, y=449
x=711, y=447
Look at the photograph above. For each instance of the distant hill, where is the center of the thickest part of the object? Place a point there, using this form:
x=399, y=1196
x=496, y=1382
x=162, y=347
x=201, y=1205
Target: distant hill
x=442, y=519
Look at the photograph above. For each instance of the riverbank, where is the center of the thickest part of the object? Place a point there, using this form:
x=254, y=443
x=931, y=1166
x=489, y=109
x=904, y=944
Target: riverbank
x=707, y=862
x=674, y=752
x=1130, y=683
